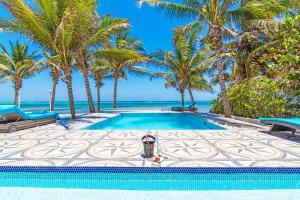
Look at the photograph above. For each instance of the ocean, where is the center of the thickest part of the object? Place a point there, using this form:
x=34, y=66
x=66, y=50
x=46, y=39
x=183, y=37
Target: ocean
x=82, y=106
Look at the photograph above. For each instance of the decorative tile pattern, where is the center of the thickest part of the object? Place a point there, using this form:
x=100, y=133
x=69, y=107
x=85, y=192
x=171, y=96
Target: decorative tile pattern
x=115, y=149
x=41, y=135
x=4, y=136
x=56, y=148
x=85, y=135
x=197, y=164
x=13, y=146
x=285, y=145
x=105, y=163
x=27, y=163
x=276, y=163
x=125, y=135
x=250, y=149
x=187, y=149
x=65, y=144
x=177, y=135
x=224, y=135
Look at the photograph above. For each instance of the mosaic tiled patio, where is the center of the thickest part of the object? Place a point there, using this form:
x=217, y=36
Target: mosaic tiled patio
x=65, y=144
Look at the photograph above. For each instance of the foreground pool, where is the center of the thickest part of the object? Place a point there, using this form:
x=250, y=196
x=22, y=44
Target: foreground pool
x=91, y=194
x=154, y=121
x=187, y=179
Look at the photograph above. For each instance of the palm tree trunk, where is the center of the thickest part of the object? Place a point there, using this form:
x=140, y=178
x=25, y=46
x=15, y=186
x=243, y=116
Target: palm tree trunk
x=218, y=44
x=115, y=93
x=182, y=98
x=55, y=81
x=16, y=96
x=68, y=80
x=18, y=85
x=88, y=92
x=98, y=99
x=85, y=73
x=247, y=71
x=191, y=95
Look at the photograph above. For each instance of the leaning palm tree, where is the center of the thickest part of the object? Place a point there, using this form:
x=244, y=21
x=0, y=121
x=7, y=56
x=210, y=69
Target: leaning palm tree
x=100, y=71
x=123, y=56
x=18, y=64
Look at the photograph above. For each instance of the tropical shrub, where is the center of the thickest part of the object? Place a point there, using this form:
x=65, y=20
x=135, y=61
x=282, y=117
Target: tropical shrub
x=284, y=53
x=290, y=85
x=258, y=97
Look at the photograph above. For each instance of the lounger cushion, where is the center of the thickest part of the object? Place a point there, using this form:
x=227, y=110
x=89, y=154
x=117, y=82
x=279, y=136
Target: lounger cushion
x=293, y=121
x=6, y=110
x=34, y=116
x=184, y=107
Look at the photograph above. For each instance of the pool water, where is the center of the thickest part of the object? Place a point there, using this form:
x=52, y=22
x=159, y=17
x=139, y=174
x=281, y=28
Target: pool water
x=151, y=181
x=154, y=121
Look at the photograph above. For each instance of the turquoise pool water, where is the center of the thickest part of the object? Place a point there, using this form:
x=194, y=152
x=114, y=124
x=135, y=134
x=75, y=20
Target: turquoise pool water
x=154, y=121
x=151, y=181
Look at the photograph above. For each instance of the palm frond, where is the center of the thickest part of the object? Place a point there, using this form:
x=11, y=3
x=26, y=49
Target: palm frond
x=173, y=9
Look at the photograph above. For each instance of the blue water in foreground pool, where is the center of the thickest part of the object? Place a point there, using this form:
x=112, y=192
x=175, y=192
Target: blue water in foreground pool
x=154, y=121
x=151, y=181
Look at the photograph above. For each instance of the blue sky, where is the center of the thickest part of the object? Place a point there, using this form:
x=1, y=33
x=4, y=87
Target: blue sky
x=153, y=28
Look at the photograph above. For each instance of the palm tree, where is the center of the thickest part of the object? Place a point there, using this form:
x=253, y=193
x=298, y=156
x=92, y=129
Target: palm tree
x=100, y=31
x=196, y=81
x=175, y=79
x=185, y=65
x=56, y=25
x=18, y=64
x=214, y=13
x=55, y=73
x=123, y=56
x=100, y=71
x=61, y=26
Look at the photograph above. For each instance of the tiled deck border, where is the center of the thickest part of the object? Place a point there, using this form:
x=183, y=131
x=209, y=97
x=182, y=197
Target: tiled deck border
x=230, y=170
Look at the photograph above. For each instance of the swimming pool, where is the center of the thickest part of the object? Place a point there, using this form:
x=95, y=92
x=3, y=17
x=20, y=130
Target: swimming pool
x=158, y=179
x=154, y=121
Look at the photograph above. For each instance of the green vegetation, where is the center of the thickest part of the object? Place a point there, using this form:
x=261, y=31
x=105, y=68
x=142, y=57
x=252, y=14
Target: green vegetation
x=100, y=71
x=256, y=51
x=276, y=94
x=259, y=97
x=122, y=56
x=250, y=48
x=18, y=64
x=185, y=66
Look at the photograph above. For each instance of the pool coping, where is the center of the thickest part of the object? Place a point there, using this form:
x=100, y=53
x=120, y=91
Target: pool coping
x=168, y=170
x=208, y=122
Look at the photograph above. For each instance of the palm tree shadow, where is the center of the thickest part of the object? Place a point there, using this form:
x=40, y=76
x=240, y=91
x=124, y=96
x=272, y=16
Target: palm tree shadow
x=286, y=135
x=66, y=123
x=280, y=134
x=222, y=121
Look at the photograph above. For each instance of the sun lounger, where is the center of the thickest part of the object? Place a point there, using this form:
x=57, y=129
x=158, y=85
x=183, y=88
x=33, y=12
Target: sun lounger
x=282, y=124
x=191, y=108
x=13, y=119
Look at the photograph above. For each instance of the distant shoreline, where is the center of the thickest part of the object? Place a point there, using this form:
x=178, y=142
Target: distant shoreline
x=2, y=102
x=82, y=106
